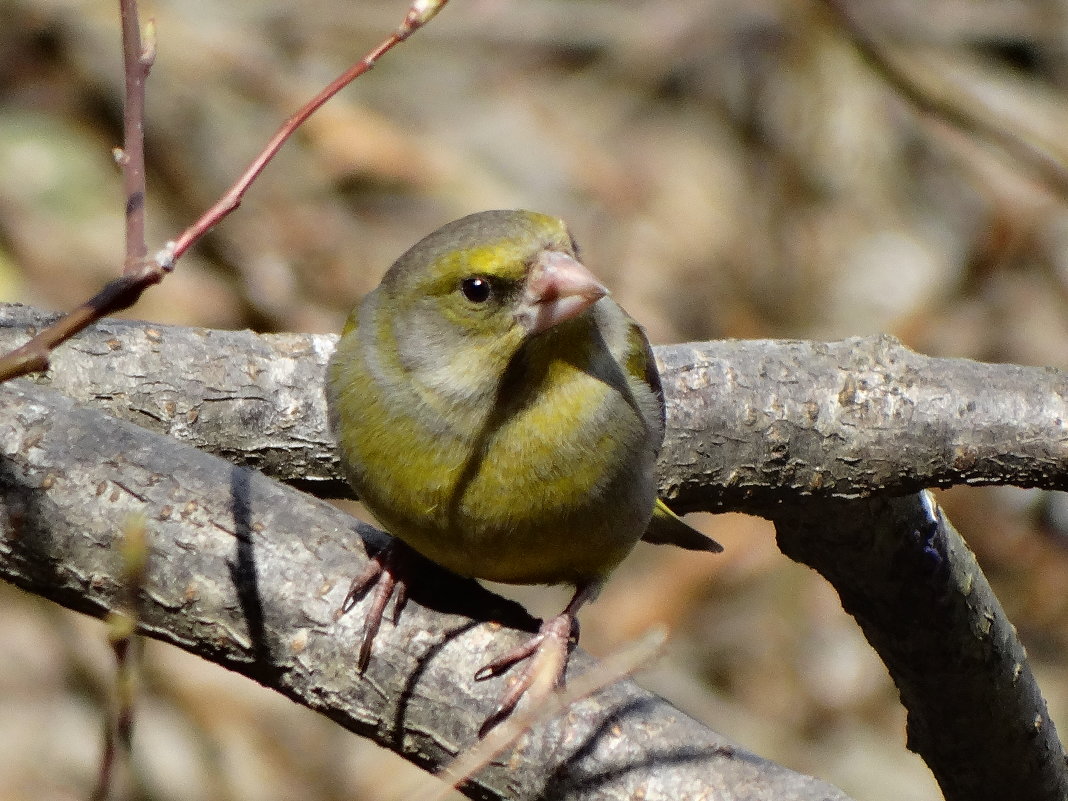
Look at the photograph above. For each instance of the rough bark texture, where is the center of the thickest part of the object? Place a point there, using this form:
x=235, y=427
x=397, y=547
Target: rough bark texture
x=751, y=423
x=253, y=399
x=249, y=573
x=976, y=714
x=820, y=438
x=762, y=422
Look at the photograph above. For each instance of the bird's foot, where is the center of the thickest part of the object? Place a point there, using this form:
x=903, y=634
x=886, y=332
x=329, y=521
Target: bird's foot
x=385, y=574
x=552, y=644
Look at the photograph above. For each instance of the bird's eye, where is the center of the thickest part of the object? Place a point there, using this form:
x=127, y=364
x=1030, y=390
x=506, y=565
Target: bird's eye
x=476, y=290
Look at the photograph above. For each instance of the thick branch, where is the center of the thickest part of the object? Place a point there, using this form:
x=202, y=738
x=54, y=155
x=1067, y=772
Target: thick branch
x=976, y=715
x=254, y=400
x=249, y=573
x=752, y=424
x=758, y=423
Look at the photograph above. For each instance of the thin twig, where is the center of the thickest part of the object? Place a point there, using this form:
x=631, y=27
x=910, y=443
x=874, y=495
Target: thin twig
x=137, y=276
x=542, y=707
x=122, y=634
x=137, y=61
x=421, y=12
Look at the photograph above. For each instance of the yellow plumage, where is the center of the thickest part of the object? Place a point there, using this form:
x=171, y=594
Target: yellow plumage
x=498, y=413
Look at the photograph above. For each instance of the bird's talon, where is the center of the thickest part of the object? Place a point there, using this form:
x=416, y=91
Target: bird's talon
x=348, y=603
x=511, y=658
x=499, y=714
x=364, y=658
x=381, y=574
x=363, y=582
x=552, y=645
x=400, y=600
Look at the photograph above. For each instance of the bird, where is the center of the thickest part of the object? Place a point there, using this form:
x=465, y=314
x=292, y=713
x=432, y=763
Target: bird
x=500, y=414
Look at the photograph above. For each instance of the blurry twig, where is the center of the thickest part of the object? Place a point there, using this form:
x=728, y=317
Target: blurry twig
x=137, y=61
x=121, y=632
x=950, y=103
x=615, y=667
x=141, y=272
x=421, y=12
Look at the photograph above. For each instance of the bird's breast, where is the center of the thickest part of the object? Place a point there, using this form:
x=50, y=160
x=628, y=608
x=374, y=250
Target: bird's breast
x=549, y=482
x=556, y=489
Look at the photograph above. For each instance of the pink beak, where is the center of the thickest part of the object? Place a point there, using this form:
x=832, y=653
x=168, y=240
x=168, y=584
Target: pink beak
x=559, y=288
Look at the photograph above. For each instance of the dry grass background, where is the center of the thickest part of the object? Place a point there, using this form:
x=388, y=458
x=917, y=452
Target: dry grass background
x=731, y=169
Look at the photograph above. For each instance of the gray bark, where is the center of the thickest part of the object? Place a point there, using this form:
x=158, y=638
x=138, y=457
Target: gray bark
x=751, y=423
x=975, y=712
x=830, y=441
x=249, y=573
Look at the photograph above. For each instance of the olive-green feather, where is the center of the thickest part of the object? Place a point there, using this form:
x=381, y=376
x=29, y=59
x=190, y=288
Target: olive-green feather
x=667, y=528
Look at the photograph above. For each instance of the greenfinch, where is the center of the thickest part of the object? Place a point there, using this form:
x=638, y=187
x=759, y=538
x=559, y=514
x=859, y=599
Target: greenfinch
x=501, y=415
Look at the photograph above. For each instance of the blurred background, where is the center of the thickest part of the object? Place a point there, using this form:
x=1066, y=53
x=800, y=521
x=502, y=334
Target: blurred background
x=730, y=169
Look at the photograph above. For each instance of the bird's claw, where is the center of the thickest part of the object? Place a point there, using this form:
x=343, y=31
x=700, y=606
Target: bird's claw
x=362, y=582
x=507, y=660
x=382, y=574
x=552, y=644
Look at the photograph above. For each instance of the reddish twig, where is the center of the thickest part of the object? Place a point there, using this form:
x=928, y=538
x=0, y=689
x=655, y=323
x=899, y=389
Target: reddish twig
x=142, y=273
x=116, y=295
x=419, y=14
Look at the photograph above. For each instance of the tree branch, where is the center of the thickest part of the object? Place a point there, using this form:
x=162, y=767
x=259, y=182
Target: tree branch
x=248, y=573
x=141, y=273
x=806, y=434
x=752, y=424
x=758, y=423
x=976, y=714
